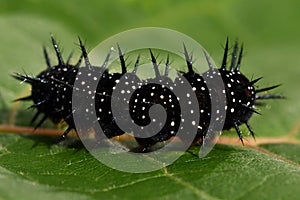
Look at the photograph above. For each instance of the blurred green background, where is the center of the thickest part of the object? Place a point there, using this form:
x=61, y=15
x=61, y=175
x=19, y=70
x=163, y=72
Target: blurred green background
x=270, y=31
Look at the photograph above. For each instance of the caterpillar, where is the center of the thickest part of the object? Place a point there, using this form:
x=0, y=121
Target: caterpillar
x=53, y=88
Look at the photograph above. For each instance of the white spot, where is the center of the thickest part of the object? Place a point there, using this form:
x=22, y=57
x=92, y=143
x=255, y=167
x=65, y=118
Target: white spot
x=232, y=110
x=172, y=123
x=229, y=85
x=193, y=123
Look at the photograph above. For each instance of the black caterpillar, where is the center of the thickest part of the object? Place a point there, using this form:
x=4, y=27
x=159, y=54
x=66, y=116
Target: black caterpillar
x=52, y=95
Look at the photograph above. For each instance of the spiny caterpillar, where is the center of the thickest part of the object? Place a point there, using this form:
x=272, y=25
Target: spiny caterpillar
x=52, y=93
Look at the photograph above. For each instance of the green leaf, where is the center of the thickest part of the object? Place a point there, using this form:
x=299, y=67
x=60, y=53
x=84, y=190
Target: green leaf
x=285, y=150
x=33, y=167
x=15, y=187
x=227, y=172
